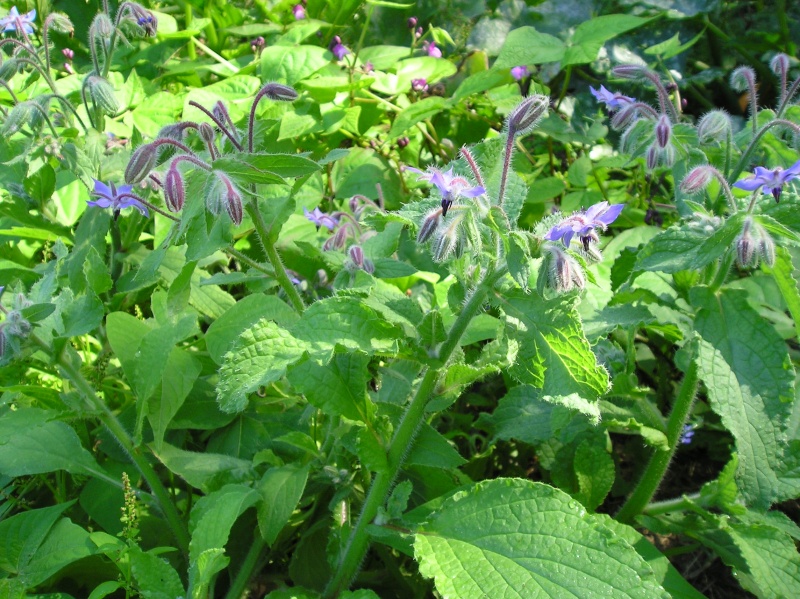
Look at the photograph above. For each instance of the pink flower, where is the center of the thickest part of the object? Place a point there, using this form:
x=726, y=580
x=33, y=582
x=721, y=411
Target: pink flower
x=432, y=50
x=299, y=12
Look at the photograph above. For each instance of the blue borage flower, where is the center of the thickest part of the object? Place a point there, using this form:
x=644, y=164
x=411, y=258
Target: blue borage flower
x=337, y=48
x=111, y=196
x=14, y=21
x=451, y=186
x=772, y=180
x=612, y=100
x=319, y=218
x=584, y=224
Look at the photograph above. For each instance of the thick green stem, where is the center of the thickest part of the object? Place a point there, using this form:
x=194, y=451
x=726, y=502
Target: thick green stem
x=660, y=460
x=251, y=560
x=124, y=439
x=274, y=258
x=679, y=504
x=358, y=543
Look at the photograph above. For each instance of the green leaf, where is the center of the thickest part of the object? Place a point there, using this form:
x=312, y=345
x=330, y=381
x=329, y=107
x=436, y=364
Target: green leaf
x=155, y=578
x=430, y=448
x=183, y=369
x=526, y=46
x=205, y=471
x=280, y=490
x=83, y=314
x=749, y=378
x=210, y=525
x=32, y=443
x=590, y=36
x=554, y=354
x=96, y=271
x=224, y=331
x=260, y=356
x=431, y=329
x=287, y=64
x=37, y=312
x=21, y=535
x=66, y=543
x=594, y=471
x=266, y=168
x=480, y=82
x=784, y=274
x=344, y=321
x=515, y=538
x=417, y=112
x=339, y=388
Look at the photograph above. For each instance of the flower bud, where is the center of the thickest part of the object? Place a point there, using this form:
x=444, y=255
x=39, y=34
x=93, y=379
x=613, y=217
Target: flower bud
x=207, y=133
x=766, y=248
x=446, y=241
x=746, y=247
x=231, y=198
x=412, y=22
x=68, y=53
x=8, y=68
x=629, y=71
x=743, y=78
x=356, y=255
x=258, y=42
x=527, y=114
x=663, y=131
x=2, y=343
x=60, y=22
x=403, y=142
x=651, y=157
x=563, y=271
x=697, y=179
x=175, y=130
x=220, y=112
x=101, y=27
x=714, y=126
x=624, y=117
x=337, y=240
x=174, y=190
x=419, y=85
x=278, y=92
x=19, y=115
x=142, y=161
x=102, y=94
x=779, y=64
x=429, y=225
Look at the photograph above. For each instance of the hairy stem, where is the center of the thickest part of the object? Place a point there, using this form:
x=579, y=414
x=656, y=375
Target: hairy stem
x=358, y=542
x=660, y=460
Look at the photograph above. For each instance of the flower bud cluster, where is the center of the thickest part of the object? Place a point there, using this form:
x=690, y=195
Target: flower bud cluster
x=753, y=245
x=15, y=326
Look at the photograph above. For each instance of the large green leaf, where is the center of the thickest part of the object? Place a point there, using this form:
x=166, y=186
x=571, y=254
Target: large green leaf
x=749, y=378
x=287, y=64
x=519, y=539
x=526, y=46
x=554, y=354
x=205, y=471
x=21, y=535
x=590, y=36
x=417, y=112
x=183, y=369
x=280, y=489
x=155, y=577
x=65, y=543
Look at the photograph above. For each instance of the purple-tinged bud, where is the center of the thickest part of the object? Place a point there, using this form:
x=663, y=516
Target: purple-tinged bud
x=68, y=53
x=663, y=131
x=766, y=249
x=779, y=64
x=369, y=266
x=418, y=33
x=446, y=240
x=412, y=22
x=174, y=190
x=563, y=273
x=667, y=156
x=142, y=161
x=624, y=117
x=257, y=43
x=697, y=179
x=402, y=142
x=102, y=94
x=651, y=157
x=207, y=133
x=746, y=247
x=525, y=116
x=684, y=103
x=714, y=126
x=278, y=92
x=419, y=85
x=743, y=78
x=299, y=12
x=629, y=71
x=519, y=72
x=231, y=198
x=101, y=27
x=356, y=255
x=429, y=225
x=338, y=240
x=2, y=343
x=60, y=22
x=368, y=67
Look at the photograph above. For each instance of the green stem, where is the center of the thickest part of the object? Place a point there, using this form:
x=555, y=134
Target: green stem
x=251, y=561
x=724, y=268
x=660, y=460
x=679, y=504
x=754, y=142
x=358, y=542
x=274, y=258
x=124, y=439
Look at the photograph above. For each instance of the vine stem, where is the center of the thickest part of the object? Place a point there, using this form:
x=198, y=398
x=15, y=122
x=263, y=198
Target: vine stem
x=274, y=257
x=660, y=460
x=124, y=439
x=358, y=542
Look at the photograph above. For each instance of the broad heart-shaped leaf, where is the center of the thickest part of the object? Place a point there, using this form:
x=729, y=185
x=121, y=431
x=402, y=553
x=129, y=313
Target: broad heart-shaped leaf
x=514, y=538
x=590, y=36
x=287, y=64
x=338, y=388
x=21, y=535
x=525, y=45
x=155, y=577
x=748, y=374
x=553, y=352
x=31, y=442
x=259, y=357
x=415, y=113
x=280, y=490
x=266, y=168
x=688, y=247
x=344, y=321
x=210, y=525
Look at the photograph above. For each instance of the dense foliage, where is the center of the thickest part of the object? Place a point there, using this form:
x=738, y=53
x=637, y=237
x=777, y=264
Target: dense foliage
x=453, y=299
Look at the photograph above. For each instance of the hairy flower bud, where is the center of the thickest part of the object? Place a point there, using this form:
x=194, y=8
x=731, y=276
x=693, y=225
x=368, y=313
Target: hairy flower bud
x=220, y=112
x=279, y=92
x=230, y=197
x=714, y=126
x=356, y=254
x=766, y=248
x=651, y=157
x=527, y=114
x=412, y=22
x=174, y=189
x=779, y=64
x=624, y=117
x=19, y=115
x=8, y=68
x=207, y=133
x=142, y=161
x=2, y=343
x=743, y=78
x=446, y=240
x=101, y=27
x=697, y=179
x=746, y=246
x=629, y=71
x=663, y=131
x=60, y=22
x=102, y=94
x=562, y=271
x=429, y=225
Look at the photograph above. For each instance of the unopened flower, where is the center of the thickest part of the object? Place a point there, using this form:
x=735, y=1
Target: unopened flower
x=429, y=225
x=753, y=245
x=320, y=219
x=174, y=189
x=419, y=85
x=451, y=186
x=412, y=22
x=117, y=198
x=585, y=224
x=141, y=163
x=15, y=21
x=525, y=115
x=697, y=179
x=337, y=48
x=714, y=126
x=432, y=50
x=561, y=271
x=299, y=12
x=519, y=72
x=612, y=100
x=257, y=43
x=68, y=53
x=772, y=180
x=663, y=131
